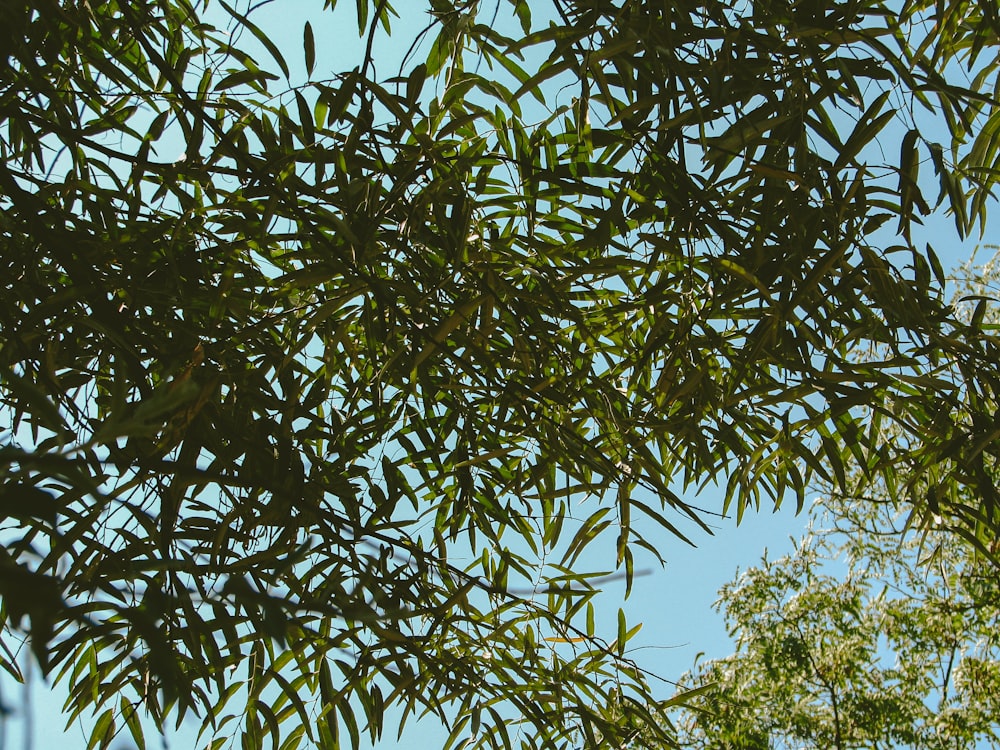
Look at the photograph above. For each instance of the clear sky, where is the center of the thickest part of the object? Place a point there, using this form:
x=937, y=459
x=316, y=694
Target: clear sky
x=674, y=604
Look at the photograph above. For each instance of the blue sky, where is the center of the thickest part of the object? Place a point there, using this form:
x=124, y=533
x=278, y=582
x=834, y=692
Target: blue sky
x=674, y=603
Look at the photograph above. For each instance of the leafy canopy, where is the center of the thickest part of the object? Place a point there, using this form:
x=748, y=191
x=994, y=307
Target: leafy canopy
x=318, y=419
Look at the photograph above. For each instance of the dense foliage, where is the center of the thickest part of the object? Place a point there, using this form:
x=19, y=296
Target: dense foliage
x=318, y=383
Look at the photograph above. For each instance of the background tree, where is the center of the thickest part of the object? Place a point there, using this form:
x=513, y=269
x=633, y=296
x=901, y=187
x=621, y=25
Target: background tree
x=317, y=417
x=856, y=641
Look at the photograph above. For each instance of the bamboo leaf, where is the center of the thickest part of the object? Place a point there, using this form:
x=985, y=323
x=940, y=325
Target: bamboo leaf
x=309, y=47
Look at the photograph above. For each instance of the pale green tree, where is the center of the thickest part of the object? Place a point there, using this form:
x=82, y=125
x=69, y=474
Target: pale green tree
x=855, y=640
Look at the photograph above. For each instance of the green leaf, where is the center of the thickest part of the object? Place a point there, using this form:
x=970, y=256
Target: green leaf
x=103, y=732
x=523, y=10
x=131, y=716
x=305, y=119
x=309, y=47
x=243, y=77
x=415, y=84
x=362, y=6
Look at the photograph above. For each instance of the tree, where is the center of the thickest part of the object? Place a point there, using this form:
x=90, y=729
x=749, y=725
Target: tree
x=318, y=418
x=854, y=642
